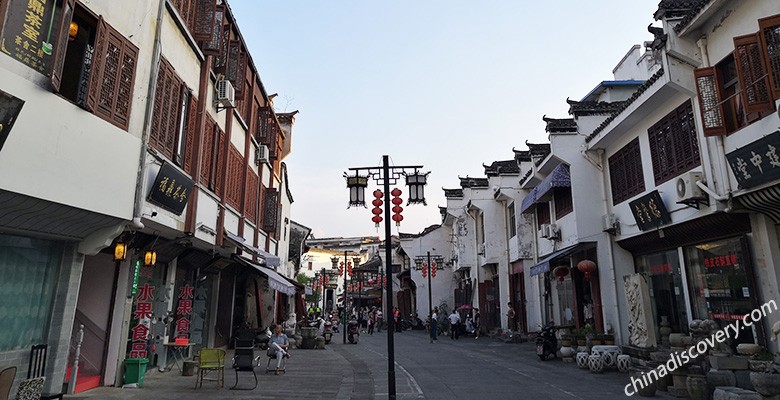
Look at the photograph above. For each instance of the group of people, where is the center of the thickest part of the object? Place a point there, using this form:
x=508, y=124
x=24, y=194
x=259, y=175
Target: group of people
x=368, y=319
x=454, y=319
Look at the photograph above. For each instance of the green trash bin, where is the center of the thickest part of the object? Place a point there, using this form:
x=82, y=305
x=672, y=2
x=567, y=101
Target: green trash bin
x=135, y=369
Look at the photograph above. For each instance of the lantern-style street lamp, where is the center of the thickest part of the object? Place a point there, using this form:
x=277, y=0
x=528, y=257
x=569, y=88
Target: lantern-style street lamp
x=387, y=175
x=429, y=268
x=357, y=189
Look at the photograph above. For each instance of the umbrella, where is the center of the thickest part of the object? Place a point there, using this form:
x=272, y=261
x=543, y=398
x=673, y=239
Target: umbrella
x=465, y=307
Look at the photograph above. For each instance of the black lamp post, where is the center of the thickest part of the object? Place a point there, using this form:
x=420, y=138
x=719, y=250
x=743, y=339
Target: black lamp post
x=387, y=175
x=422, y=265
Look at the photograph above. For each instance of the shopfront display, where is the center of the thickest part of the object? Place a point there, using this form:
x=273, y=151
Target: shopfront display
x=667, y=292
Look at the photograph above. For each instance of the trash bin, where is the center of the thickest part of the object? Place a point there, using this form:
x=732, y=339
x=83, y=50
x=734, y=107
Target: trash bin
x=188, y=369
x=135, y=369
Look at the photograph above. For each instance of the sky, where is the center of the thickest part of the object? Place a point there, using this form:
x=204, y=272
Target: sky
x=446, y=84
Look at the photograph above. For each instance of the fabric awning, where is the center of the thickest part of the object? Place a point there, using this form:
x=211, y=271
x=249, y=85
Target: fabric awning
x=544, y=265
x=270, y=259
x=275, y=280
x=559, y=177
x=765, y=201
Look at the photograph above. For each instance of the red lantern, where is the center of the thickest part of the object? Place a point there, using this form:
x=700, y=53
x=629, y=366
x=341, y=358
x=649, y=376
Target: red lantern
x=424, y=272
x=587, y=267
x=397, y=209
x=377, y=210
x=561, y=271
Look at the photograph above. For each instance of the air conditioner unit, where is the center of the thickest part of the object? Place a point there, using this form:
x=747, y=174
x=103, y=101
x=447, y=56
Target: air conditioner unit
x=545, y=229
x=687, y=190
x=555, y=231
x=610, y=224
x=226, y=94
x=261, y=155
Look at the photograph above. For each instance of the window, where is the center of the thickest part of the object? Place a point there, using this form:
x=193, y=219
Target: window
x=625, y=172
x=542, y=213
x=310, y=265
x=512, y=222
x=173, y=126
x=235, y=177
x=673, y=145
x=742, y=87
x=96, y=68
x=563, y=202
x=212, y=171
x=252, y=189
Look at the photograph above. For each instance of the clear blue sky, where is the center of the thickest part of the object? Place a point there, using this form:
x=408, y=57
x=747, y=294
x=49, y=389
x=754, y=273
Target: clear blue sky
x=447, y=84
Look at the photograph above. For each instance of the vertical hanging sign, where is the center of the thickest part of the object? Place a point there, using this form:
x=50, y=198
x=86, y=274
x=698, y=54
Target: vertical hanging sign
x=184, y=310
x=143, y=313
x=28, y=33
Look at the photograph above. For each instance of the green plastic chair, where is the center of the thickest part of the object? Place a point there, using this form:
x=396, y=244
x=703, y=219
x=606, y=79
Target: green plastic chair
x=209, y=360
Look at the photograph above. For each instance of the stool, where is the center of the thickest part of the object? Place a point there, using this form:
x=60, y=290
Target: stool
x=595, y=363
x=623, y=362
x=268, y=367
x=582, y=359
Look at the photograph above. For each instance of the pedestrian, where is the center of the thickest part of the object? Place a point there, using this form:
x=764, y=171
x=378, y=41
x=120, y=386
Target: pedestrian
x=371, y=321
x=396, y=320
x=434, y=324
x=379, y=320
x=454, y=325
x=510, y=318
x=476, y=323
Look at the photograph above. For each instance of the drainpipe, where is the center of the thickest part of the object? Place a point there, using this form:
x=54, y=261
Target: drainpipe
x=152, y=87
x=610, y=255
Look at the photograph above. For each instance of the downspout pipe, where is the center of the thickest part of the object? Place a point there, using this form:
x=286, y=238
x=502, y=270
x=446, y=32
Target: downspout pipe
x=152, y=88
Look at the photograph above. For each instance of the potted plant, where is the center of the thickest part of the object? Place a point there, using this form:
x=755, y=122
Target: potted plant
x=609, y=339
x=566, y=340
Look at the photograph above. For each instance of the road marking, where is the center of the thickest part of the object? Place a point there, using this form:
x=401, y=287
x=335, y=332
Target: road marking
x=411, y=378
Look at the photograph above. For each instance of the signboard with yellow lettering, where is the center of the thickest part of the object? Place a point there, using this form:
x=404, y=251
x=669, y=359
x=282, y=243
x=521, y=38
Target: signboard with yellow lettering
x=171, y=189
x=650, y=211
x=29, y=33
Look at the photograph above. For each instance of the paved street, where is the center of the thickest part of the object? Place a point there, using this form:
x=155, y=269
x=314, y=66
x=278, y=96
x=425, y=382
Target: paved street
x=465, y=369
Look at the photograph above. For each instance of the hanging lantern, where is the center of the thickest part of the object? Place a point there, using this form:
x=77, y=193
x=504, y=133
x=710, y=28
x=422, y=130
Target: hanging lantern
x=357, y=190
x=150, y=258
x=561, y=271
x=120, y=251
x=416, y=183
x=377, y=210
x=334, y=261
x=587, y=267
x=424, y=272
x=397, y=209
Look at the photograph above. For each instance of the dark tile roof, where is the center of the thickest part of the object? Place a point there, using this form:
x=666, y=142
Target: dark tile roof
x=453, y=193
x=581, y=108
x=522, y=155
x=508, y=167
x=628, y=102
x=469, y=182
x=559, y=125
x=286, y=117
x=423, y=233
x=538, y=150
x=687, y=9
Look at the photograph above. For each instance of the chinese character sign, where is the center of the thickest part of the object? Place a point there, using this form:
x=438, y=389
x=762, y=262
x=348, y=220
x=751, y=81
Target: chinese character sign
x=171, y=189
x=650, y=211
x=756, y=163
x=184, y=311
x=143, y=314
x=30, y=32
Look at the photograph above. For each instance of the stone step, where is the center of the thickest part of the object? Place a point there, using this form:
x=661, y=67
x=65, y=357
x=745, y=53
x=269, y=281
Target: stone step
x=734, y=393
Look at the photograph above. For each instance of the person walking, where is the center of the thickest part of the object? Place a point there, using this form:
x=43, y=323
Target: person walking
x=434, y=324
x=454, y=325
x=371, y=321
x=396, y=319
x=379, y=320
x=510, y=318
x=476, y=323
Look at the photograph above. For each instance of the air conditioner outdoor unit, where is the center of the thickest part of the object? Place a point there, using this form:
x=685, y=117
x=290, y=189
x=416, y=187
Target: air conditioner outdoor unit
x=262, y=155
x=226, y=94
x=545, y=228
x=610, y=224
x=687, y=189
x=555, y=231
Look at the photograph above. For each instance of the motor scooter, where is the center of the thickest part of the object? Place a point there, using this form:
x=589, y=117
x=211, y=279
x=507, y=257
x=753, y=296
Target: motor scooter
x=353, y=331
x=547, y=342
x=327, y=332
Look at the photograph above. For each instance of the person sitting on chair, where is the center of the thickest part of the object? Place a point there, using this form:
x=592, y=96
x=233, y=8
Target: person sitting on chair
x=278, y=345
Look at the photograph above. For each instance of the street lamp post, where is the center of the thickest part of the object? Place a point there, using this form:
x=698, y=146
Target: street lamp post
x=345, y=316
x=384, y=175
x=428, y=269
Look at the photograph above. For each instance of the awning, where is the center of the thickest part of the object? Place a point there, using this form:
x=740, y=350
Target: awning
x=765, y=201
x=544, y=265
x=275, y=281
x=270, y=259
x=559, y=177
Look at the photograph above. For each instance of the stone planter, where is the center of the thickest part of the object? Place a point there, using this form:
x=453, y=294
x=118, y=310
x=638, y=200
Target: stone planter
x=766, y=384
x=308, y=338
x=697, y=387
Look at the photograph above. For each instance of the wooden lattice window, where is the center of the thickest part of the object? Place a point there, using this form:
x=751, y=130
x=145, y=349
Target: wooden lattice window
x=270, y=210
x=769, y=30
x=542, y=213
x=753, y=74
x=171, y=119
x=189, y=143
x=708, y=86
x=268, y=131
x=235, y=178
x=221, y=60
x=252, y=191
x=212, y=169
x=625, y=172
x=186, y=9
x=673, y=145
x=204, y=22
x=563, y=202
x=213, y=45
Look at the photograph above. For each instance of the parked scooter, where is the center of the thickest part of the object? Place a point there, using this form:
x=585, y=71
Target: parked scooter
x=327, y=331
x=547, y=342
x=334, y=323
x=353, y=331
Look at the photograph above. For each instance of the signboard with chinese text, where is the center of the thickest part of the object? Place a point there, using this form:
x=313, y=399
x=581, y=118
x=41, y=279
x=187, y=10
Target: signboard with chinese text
x=649, y=211
x=143, y=314
x=758, y=162
x=729, y=260
x=184, y=312
x=10, y=107
x=30, y=32
x=171, y=189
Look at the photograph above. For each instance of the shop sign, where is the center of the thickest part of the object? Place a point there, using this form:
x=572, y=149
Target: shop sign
x=29, y=33
x=649, y=211
x=171, y=189
x=758, y=162
x=143, y=313
x=728, y=317
x=10, y=107
x=729, y=260
x=184, y=311
x=661, y=268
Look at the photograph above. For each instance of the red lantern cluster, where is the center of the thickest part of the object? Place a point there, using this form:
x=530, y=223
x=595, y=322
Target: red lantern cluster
x=587, y=267
x=377, y=211
x=349, y=269
x=397, y=209
x=433, y=269
x=341, y=268
x=561, y=272
x=424, y=269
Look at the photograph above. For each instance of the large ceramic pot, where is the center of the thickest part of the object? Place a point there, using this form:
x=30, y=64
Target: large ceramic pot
x=766, y=384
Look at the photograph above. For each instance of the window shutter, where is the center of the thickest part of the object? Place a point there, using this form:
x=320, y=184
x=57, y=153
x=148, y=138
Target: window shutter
x=233, y=63
x=156, y=131
x=269, y=210
x=769, y=30
x=62, y=41
x=235, y=177
x=219, y=159
x=212, y=46
x=752, y=74
x=220, y=62
x=204, y=23
x=98, y=61
x=189, y=144
x=207, y=153
x=708, y=86
x=124, y=95
x=252, y=182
